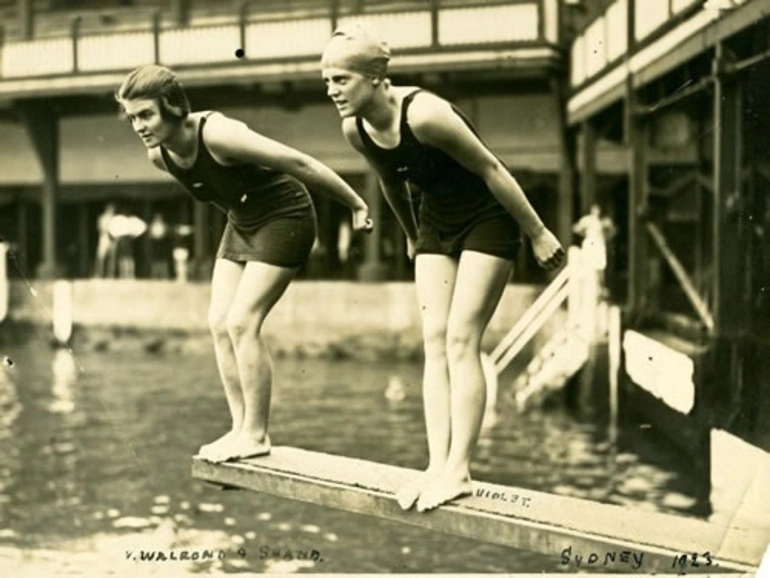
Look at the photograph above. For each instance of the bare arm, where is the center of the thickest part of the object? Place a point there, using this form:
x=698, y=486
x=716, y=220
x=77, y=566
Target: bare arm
x=232, y=141
x=435, y=124
x=394, y=189
x=396, y=193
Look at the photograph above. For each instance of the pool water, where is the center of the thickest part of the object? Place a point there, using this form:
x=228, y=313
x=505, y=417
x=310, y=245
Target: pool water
x=95, y=467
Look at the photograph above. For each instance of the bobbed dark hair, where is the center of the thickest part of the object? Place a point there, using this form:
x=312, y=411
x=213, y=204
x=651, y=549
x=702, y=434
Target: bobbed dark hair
x=159, y=83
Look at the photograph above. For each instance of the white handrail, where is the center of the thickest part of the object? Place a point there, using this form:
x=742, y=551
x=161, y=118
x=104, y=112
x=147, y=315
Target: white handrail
x=533, y=327
x=539, y=304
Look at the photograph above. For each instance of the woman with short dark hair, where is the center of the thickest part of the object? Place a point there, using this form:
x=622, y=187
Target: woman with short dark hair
x=271, y=227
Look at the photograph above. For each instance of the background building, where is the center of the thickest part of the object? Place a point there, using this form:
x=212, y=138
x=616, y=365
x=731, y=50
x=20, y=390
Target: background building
x=65, y=154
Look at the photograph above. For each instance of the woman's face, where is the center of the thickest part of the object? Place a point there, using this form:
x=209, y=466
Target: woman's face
x=350, y=91
x=147, y=121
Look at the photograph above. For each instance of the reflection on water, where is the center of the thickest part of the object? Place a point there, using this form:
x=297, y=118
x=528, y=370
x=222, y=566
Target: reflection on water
x=64, y=369
x=95, y=458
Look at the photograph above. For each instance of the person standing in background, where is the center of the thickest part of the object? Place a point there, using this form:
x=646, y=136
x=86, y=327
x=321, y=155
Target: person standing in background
x=105, y=245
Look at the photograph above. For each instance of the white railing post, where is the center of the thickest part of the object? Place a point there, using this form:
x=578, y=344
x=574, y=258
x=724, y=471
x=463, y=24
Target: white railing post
x=573, y=302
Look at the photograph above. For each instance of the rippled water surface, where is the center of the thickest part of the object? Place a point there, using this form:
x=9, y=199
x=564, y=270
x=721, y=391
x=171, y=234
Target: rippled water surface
x=95, y=467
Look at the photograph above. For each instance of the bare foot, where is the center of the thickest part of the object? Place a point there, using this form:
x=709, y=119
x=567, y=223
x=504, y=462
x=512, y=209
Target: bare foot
x=407, y=495
x=240, y=447
x=212, y=448
x=442, y=490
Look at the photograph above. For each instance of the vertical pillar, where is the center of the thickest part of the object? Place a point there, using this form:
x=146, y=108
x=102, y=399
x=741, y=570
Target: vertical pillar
x=566, y=206
x=23, y=246
x=201, y=241
x=637, y=132
x=24, y=14
x=373, y=269
x=435, y=6
x=84, y=253
x=588, y=170
x=42, y=124
x=179, y=11
x=146, y=257
x=727, y=238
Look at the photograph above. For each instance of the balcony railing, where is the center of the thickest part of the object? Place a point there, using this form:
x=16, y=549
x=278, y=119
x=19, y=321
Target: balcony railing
x=622, y=27
x=435, y=25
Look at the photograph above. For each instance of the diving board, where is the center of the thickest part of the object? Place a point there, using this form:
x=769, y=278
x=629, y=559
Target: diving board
x=558, y=526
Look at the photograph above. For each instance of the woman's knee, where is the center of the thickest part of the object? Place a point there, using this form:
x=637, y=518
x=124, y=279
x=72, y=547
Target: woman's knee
x=434, y=338
x=243, y=325
x=217, y=321
x=462, y=342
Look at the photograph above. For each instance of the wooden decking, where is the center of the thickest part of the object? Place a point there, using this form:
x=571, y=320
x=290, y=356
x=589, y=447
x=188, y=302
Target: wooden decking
x=620, y=538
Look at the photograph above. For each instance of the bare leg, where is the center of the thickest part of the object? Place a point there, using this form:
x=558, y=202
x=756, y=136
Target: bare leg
x=435, y=280
x=260, y=288
x=481, y=280
x=224, y=285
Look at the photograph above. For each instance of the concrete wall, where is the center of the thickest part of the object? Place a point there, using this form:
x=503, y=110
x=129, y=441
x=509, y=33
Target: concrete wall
x=309, y=313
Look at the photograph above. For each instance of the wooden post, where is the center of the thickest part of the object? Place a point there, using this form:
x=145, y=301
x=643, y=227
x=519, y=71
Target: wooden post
x=435, y=40
x=334, y=14
x=243, y=23
x=179, y=12
x=75, y=36
x=24, y=14
x=42, y=124
x=5, y=290
x=727, y=238
x=566, y=209
x=156, y=36
x=728, y=247
x=84, y=253
x=373, y=269
x=201, y=241
x=22, y=251
x=145, y=254
x=588, y=170
x=638, y=184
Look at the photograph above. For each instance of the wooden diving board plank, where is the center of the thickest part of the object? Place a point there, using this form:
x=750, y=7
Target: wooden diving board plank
x=495, y=514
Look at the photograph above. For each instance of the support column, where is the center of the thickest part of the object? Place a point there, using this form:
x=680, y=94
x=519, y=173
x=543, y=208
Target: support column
x=22, y=250
x=24, y=15
x=637, y=136
x=727, y=237
x=84, y=253
x=373, y=269
x=146, y=256
x=566, y=203
x=179, y=11
x=729, y=250
x=202, y=258
x=588, y=170
x=42, y=124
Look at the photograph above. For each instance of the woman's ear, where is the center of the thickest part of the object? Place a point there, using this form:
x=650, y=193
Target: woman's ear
x=376, y=81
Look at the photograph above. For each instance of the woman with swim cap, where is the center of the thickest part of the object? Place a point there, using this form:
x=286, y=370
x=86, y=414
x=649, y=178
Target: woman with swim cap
x=471, y=215
x=271, y=226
